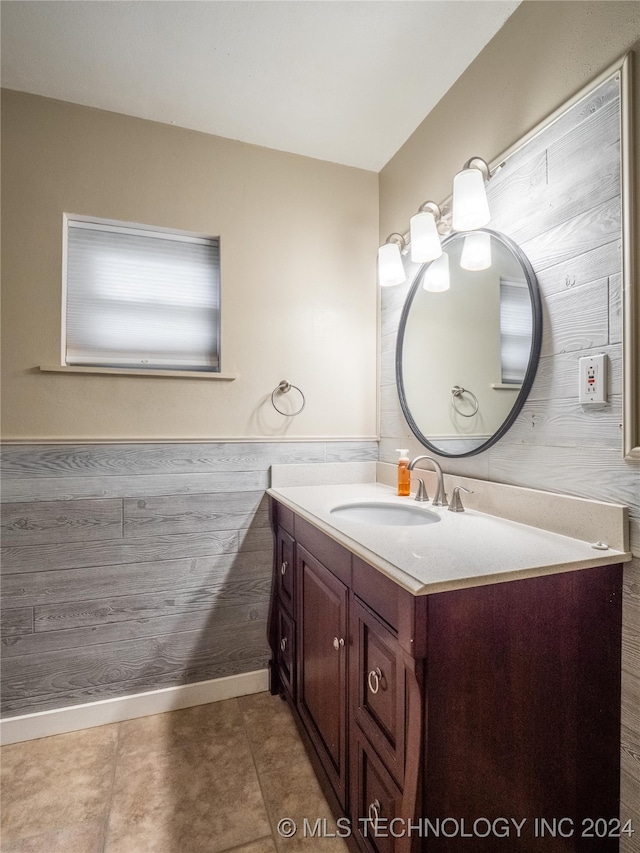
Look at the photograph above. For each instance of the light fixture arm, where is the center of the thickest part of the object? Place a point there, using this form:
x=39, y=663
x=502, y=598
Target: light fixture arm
x=431, y=207
x=480, y=164
x=398, y=239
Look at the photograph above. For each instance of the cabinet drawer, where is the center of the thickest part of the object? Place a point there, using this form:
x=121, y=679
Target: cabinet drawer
x=285, y=569
x=281, y=516
x=374, y=797
x=286, y=650
x=378, y=687
x=334, y=556
x=381, y=594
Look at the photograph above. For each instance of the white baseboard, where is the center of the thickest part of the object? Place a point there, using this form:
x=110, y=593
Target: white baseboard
x=76, y=717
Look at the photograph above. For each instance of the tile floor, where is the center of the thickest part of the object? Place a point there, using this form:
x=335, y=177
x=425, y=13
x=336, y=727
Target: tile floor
x=207, y=779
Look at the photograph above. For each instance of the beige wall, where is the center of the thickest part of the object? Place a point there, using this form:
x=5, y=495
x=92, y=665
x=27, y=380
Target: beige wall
x=546, y=52
x=298, y=242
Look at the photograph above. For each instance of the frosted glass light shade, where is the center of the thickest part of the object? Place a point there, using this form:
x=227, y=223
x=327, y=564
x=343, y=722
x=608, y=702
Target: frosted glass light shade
x=436, y=278
x=425, y=240
x=476, y=251
x=390, y=266
x=470, y=205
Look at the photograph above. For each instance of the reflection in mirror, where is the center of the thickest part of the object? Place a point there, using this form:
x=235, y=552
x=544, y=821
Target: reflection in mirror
x=467, y=354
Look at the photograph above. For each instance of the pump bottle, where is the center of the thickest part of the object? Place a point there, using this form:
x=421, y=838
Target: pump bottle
x=404, y=475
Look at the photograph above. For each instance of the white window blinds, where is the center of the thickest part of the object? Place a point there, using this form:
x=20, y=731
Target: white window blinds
x=515, y=330
x=141, y=298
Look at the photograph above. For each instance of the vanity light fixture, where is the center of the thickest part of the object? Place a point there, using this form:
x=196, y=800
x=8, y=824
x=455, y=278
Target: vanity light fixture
x=469, y=211
x=470, y=205
x=436, y=276
x=390, y=266
x=425, y=240
x=476, y=251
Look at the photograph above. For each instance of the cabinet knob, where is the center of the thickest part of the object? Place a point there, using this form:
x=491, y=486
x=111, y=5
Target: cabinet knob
x=284, y=567
x=338, y=643
x=374, y=678
x=283, y=644
x=374, y=811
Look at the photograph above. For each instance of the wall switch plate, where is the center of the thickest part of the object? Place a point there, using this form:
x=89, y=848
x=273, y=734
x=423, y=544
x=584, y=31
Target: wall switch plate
x=592, y=372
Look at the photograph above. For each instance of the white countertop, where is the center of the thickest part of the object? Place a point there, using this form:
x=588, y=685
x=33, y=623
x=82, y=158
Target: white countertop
x=464, y=549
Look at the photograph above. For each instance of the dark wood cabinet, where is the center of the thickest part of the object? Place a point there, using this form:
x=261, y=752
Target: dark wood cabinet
x=494, y=703
x=322, y=664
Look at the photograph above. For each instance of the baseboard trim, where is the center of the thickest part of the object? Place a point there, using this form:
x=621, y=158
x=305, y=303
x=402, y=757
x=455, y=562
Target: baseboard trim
x=76, y=717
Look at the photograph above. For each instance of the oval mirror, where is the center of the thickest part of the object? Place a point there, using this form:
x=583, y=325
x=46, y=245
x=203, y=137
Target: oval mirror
x=468, y=343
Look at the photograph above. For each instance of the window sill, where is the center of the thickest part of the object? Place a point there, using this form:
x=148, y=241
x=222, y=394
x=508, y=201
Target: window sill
x=131, y=371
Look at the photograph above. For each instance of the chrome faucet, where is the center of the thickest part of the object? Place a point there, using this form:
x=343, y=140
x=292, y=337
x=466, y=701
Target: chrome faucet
x=440, y=498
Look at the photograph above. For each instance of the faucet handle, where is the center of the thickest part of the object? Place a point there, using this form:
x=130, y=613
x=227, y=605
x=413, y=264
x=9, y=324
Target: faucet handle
x=456, y=502
x=421, y=493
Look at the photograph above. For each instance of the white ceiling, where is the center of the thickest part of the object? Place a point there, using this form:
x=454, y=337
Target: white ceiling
x=342, y=80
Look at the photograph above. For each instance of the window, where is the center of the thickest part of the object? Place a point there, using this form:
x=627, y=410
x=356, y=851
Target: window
x=515, y=330
x=140, y=297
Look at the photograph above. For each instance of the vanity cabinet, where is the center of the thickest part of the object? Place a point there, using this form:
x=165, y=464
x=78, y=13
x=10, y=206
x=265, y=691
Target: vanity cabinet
x=497, y=703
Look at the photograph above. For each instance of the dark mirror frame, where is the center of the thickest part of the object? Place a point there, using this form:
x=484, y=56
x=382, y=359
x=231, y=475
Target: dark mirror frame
x=534, y=355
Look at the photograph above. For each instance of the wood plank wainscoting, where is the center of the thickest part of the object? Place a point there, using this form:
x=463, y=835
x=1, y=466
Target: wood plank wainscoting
x=128, y=568
x=559, y=198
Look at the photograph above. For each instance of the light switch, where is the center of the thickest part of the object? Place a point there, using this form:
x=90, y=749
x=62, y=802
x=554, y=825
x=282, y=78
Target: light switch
x=592, y=371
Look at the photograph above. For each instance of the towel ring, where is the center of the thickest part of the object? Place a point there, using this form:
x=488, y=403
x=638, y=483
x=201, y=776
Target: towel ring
x=456, y=392
x=283, y=388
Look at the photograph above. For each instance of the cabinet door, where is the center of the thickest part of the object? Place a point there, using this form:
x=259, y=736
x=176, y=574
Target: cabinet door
x=378, y=687
x=282, y=611
x=322, y=665
x=285, y=569
x=286, y=650
x=376, y=800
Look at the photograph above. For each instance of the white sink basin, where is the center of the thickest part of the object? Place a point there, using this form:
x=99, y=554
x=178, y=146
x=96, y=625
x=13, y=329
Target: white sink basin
x=376, y=512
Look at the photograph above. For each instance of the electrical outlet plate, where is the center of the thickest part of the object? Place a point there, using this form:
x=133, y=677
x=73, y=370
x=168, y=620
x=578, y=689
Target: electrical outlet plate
x=592, y=373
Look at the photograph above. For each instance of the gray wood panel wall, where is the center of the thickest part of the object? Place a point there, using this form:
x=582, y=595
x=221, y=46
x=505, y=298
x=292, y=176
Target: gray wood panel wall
x=133, y=567
x=559, y=198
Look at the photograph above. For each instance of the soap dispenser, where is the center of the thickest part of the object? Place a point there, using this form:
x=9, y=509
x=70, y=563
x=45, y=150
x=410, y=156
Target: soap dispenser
x=404, y=475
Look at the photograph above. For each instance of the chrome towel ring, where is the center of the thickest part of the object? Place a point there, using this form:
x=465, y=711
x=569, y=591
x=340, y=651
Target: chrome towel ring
x=284, y=387
x=458, y=391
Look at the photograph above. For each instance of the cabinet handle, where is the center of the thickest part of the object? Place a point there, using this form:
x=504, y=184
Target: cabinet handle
x=374, y=678
x=338, y=643
x=374, y=811
x=283, y=567
x=283, y=644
